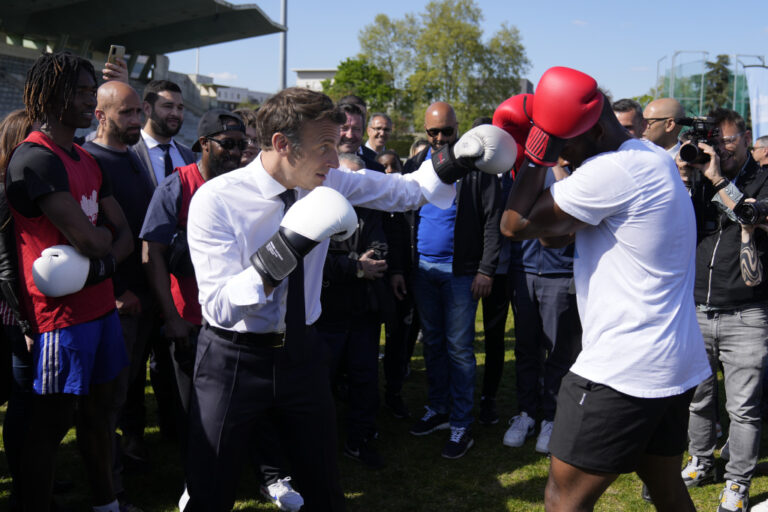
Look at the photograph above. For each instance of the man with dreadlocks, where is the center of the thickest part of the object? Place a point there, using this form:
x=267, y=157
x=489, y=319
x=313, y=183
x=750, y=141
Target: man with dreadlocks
x=71, y=233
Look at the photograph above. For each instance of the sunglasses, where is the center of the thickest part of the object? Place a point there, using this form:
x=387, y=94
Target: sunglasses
x=447, y=131
x=230, y=144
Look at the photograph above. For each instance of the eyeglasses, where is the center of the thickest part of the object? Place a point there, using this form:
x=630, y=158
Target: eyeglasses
x=447, y=131
x=732, y=138
x=230, y=144
x=651, y=120
x=381, y=129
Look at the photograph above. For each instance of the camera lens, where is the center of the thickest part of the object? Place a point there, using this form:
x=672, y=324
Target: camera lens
x=688, y=153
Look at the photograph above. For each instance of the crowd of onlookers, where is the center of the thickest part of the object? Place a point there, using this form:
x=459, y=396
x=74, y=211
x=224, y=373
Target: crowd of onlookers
x=420, y=274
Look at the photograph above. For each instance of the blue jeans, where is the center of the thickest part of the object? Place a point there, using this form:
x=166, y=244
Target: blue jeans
x=447, y=311
x=739, y=339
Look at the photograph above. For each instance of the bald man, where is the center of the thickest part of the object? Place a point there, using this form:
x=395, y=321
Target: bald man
x=457, y=253
x=118, y=111
x=661, y=127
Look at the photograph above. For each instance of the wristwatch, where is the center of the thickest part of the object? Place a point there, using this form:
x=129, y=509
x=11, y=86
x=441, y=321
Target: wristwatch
x=360, y=273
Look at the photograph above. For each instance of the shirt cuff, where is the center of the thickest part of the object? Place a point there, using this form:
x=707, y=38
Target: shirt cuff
x=438, y=193
x=247, y=289
x=734, y=193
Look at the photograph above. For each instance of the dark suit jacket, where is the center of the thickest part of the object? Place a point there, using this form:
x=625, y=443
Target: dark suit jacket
x=141, y=150
x=369, y=157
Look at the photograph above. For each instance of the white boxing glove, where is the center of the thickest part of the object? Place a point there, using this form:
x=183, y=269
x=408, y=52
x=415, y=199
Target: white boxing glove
x=485, y=148
x=324, y=213
x=60, y=270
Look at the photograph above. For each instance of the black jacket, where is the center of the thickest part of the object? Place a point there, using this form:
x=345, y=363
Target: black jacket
x=718, y=275
x=346, y=299
x=477, y=236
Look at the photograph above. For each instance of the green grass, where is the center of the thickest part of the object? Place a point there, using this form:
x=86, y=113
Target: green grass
x=490, y=477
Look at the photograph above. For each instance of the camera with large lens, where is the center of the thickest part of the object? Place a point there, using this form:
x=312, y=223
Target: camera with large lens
x=703, y=129
x=751, y=213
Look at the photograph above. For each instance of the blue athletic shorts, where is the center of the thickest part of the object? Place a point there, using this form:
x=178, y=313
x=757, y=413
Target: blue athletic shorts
x=68, y=360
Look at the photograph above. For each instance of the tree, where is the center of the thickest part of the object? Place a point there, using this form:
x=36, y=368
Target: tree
x=440, y=54
x=717, y=87
x=360, y=77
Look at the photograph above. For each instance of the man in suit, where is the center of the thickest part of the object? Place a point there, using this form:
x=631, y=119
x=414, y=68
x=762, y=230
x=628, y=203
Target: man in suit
x=164, y=112
x=163, y=108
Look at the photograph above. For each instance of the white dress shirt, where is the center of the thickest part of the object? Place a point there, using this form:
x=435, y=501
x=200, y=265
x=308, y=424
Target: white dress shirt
x=157, y=155
x=234, y=214
x=674, y=150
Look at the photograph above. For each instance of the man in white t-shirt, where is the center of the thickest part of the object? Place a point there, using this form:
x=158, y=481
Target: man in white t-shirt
x=624, y=405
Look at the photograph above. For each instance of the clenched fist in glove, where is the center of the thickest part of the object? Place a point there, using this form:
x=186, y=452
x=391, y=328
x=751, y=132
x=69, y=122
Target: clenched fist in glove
x=567, y=103
x=514, y=117
x=323, y=213
x=485, y=148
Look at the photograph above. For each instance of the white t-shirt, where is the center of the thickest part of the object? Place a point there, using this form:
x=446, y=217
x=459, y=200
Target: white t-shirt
x=634, y=271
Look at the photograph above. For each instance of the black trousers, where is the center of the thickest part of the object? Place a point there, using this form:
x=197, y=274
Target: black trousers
x=355, y=352
x=546, y=321
x=495, y=309
x=240, y=387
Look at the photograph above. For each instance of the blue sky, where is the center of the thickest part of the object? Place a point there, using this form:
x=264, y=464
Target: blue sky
x=618, y=42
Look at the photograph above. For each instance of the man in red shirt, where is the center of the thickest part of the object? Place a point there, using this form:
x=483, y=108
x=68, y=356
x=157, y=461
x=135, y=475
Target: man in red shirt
x=59, y=197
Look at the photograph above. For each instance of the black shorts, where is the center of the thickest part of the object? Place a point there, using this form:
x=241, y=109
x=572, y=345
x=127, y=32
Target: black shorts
x=599, y=429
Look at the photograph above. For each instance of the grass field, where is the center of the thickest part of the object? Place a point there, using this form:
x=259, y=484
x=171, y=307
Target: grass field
x=491, y=477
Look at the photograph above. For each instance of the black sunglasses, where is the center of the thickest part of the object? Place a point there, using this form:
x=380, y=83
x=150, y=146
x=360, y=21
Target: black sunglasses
x=447, y=131
x=230, y=144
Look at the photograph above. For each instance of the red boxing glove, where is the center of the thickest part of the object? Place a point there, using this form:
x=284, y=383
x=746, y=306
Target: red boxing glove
x=514, y=117
x=568, y=104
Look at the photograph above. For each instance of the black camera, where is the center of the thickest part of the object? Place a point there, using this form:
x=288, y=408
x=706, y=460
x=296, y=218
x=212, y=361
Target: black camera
x=703, y=129
x=751, y=213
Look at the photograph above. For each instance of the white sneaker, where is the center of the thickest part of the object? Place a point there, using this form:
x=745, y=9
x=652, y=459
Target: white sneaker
x=542, y=442
x=734, y=498
x=282, y=494
x=520, y=428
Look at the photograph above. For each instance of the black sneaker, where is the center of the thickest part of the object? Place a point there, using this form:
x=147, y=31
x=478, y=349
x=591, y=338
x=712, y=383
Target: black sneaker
x=458, y=444
x=396, y=406
x=366, y=453
x=430, y=422
x=488, y=414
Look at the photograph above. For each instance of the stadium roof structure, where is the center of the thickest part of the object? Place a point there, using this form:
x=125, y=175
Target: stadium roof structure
x=142, y=26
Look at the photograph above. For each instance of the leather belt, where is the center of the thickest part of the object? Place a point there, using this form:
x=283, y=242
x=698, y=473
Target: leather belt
x=256, y=339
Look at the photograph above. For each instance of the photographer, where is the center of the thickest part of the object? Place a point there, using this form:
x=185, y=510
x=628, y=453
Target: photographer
x=732, y=313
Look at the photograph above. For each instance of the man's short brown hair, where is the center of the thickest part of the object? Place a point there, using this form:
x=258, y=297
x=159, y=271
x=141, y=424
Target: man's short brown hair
x=290, y=109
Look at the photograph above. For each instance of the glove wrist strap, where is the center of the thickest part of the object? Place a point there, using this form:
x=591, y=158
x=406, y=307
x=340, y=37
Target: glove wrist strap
x=543, y=148
x=447, y=167
x=101, y=269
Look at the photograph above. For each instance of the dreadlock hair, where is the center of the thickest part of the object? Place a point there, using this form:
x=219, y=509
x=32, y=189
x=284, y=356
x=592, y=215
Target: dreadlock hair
x=52, y=84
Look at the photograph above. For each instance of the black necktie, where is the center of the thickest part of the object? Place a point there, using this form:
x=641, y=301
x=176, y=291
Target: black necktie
x=167, y=156
x=295, y=315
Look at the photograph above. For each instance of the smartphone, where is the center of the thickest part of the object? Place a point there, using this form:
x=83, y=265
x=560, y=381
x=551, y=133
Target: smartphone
x=115, y=52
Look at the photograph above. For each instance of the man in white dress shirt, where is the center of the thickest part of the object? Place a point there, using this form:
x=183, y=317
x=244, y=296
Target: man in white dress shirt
x=250, y=362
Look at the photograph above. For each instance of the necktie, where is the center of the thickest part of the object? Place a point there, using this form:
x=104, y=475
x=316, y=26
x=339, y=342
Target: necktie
x=295, y=315
x=167, y=156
